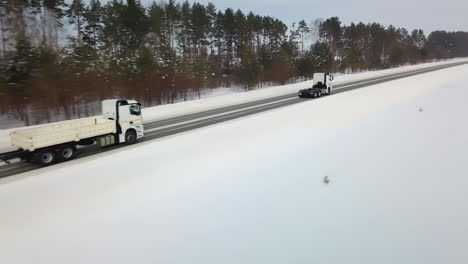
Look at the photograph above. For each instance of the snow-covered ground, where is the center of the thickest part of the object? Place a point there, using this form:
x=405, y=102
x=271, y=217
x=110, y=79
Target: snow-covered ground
x=252, y=190
x=228, y=97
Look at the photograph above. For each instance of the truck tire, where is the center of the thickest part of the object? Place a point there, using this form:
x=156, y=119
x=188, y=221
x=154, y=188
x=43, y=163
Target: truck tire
x=45, y=157
x=67, y=152
x=130, y=137
x=319, y=93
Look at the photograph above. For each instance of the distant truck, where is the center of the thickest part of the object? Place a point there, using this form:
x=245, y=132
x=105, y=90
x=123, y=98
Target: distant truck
x=322, y=84
x=121, y=122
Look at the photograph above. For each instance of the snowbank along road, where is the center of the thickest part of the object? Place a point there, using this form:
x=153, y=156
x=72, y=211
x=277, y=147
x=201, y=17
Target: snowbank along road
x=163, y=128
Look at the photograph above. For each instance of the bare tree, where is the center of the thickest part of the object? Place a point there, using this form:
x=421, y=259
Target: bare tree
x=314, y=29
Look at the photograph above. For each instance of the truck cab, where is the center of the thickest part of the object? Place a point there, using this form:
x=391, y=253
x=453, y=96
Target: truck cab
x=127, y=117
x=322, y=84
x=324, y=81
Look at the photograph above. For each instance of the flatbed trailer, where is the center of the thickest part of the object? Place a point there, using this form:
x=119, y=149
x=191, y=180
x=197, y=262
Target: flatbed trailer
x=56, y=134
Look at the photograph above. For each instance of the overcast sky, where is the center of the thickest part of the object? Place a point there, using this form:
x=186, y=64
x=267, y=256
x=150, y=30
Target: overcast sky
x=429, y=15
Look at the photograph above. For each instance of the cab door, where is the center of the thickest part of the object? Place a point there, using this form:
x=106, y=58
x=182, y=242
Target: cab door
x=130, y=119
x=137, y=120
x=330, y=82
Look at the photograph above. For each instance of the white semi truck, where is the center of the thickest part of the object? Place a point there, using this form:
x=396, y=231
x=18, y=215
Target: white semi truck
x=121, y=122
x=322, y=84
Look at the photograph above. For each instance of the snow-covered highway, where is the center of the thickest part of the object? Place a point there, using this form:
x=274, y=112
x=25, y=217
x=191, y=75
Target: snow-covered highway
x=178, y=124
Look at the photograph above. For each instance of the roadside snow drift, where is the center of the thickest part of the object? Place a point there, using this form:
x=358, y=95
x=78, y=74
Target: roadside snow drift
x=253, y=190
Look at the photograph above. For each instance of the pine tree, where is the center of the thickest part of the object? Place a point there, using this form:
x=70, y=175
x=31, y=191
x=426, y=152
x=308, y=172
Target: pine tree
x=185, y=31
x=250, y=69
x=302, y=29
x=200, y=23
x=93, y=29
x=157, y=35
x=113, y=28
x=219, y=33
x=75, y=14
x=294, y=35
x=211, y=13
x=251, y=31
x=330, y=31
x=240, y=33
x=136, y=25
x=23, y=64
x=322, y=57
x=418, y=38
x=229, y=31
x=171, y=19
x=3, y=27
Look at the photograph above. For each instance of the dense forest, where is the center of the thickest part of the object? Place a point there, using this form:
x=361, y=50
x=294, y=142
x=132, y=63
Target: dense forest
x=59, y=58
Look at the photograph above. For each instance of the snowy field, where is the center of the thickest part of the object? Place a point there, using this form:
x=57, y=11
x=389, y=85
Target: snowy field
x=228, y=97
x=252, y=190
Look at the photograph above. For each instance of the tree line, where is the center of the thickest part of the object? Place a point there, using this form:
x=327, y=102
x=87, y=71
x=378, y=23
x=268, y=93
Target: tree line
x=65, y=56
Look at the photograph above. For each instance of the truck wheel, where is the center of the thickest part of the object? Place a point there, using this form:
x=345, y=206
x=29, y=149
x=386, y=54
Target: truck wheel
x=319, y=93
x=67, y=152
x=130, y=137
x=45, y=157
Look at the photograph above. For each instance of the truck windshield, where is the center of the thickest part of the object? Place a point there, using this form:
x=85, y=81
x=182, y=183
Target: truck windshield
x=135, y=109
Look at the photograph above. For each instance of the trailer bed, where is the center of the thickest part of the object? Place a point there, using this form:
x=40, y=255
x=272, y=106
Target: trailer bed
x=55, y=134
